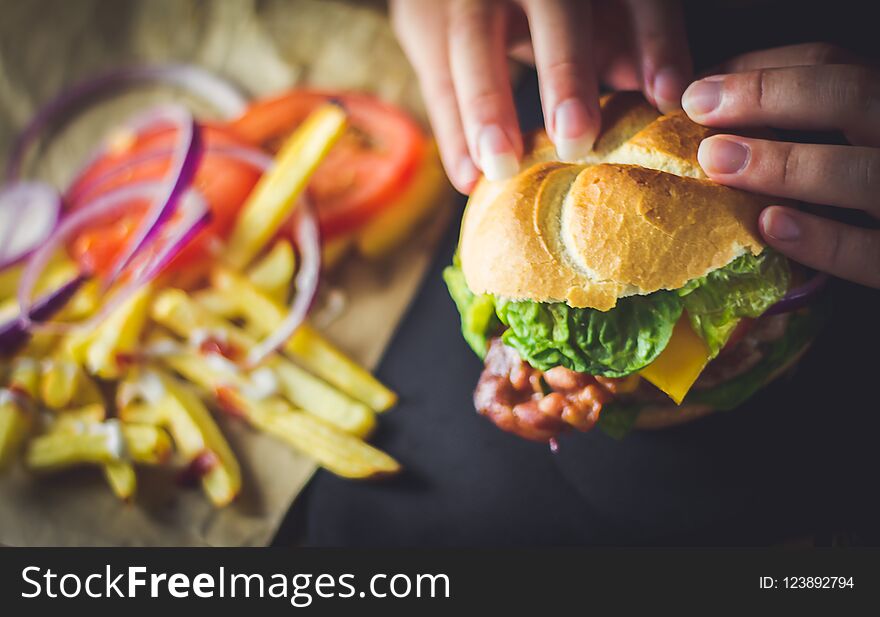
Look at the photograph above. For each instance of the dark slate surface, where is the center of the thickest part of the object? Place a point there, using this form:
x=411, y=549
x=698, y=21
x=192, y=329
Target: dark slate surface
x=800, y=459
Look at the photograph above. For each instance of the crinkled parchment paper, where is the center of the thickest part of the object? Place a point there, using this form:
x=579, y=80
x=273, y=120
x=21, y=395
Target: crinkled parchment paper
x=264, y=46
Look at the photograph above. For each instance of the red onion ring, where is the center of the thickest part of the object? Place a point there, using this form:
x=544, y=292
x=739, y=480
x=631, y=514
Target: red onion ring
x=14, y=334
x=800, y=296
x=308, y=240
x=249, y=156
x=29, y=213
x=185, y=162
x=195, y=216
x=196, y=80
x=105, y=205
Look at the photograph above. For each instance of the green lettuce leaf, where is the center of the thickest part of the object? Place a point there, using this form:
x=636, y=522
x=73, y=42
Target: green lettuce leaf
x=802, y=328
x=612, y=344
x=478, y=320
x=617, y=418
x=746, y=287
x=631, y=335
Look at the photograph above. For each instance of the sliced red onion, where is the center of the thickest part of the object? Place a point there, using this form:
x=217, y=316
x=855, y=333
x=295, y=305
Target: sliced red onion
x=184, y=163
x=201, y=82
x=194, y=215
x=28, y=214
x=799, y=297
x=14, y=333
x=106, y=205
x=250, y=156
x=109, y=204
x=308, y=241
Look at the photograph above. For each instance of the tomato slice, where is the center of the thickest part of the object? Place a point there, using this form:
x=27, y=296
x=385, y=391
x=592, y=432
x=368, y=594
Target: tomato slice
x=367, y=168
x=225, y=184
x=739, y=332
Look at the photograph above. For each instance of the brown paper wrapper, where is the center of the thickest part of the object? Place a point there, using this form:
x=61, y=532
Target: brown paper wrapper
x=264, y=46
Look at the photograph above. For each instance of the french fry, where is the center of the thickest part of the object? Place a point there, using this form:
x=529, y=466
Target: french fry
x=73, y=420
x=141, y=412
x=75, y=345
x=9, y=309
x=117, y=335
x=9, y=278
x=306, y=346
x=393, y=224
x=322, y=401
x=16, y=422
x=273, y=273
x=121, y=478
x=340, y=452
x=98, y=443
x=84, y=302
x=146, y=444
x=120, y=474
x=176, y=311
x=59, y=381
x=24, y=376
x=59, y=450
x=63, y=383
x=57, y=272
x=216, y=302
x=336, y=451
x=197, y=436
x=275, y=195
x=208, y=372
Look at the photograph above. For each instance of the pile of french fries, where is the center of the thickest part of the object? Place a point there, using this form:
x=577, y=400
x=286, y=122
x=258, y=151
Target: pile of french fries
x=142, y=388
x=163, y=357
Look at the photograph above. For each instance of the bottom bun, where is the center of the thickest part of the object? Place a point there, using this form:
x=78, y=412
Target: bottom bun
x=653, y=417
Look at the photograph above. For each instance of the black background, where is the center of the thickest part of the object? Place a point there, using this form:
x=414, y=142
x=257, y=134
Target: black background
x=800, y=461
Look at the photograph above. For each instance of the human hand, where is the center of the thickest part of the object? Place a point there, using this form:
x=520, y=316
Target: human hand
x=804, y=87
x=459, y=49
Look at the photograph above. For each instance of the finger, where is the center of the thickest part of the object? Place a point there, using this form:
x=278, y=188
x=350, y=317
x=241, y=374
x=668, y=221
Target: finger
x=845, y=176
x=831, y=97
x=563, y=58
x=805, y=54
x=485, y=100
x=662, y=46
x=420, y=27
x=842, y=250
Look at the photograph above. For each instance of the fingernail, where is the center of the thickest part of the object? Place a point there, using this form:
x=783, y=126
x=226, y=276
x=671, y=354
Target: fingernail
x=702, y=96
x=573, y=133
x=466, y=173
x=668, y=87
x=496, y=153
x=719, y=155
x=780, y=225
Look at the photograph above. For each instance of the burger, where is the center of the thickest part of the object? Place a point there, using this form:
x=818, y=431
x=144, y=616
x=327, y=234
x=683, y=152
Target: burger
x=625, y=289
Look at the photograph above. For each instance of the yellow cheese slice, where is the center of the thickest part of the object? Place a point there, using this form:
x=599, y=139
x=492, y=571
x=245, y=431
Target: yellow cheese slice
x=676, y=369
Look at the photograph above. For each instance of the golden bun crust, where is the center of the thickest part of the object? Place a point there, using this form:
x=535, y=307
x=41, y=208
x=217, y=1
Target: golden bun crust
x=637, y=215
